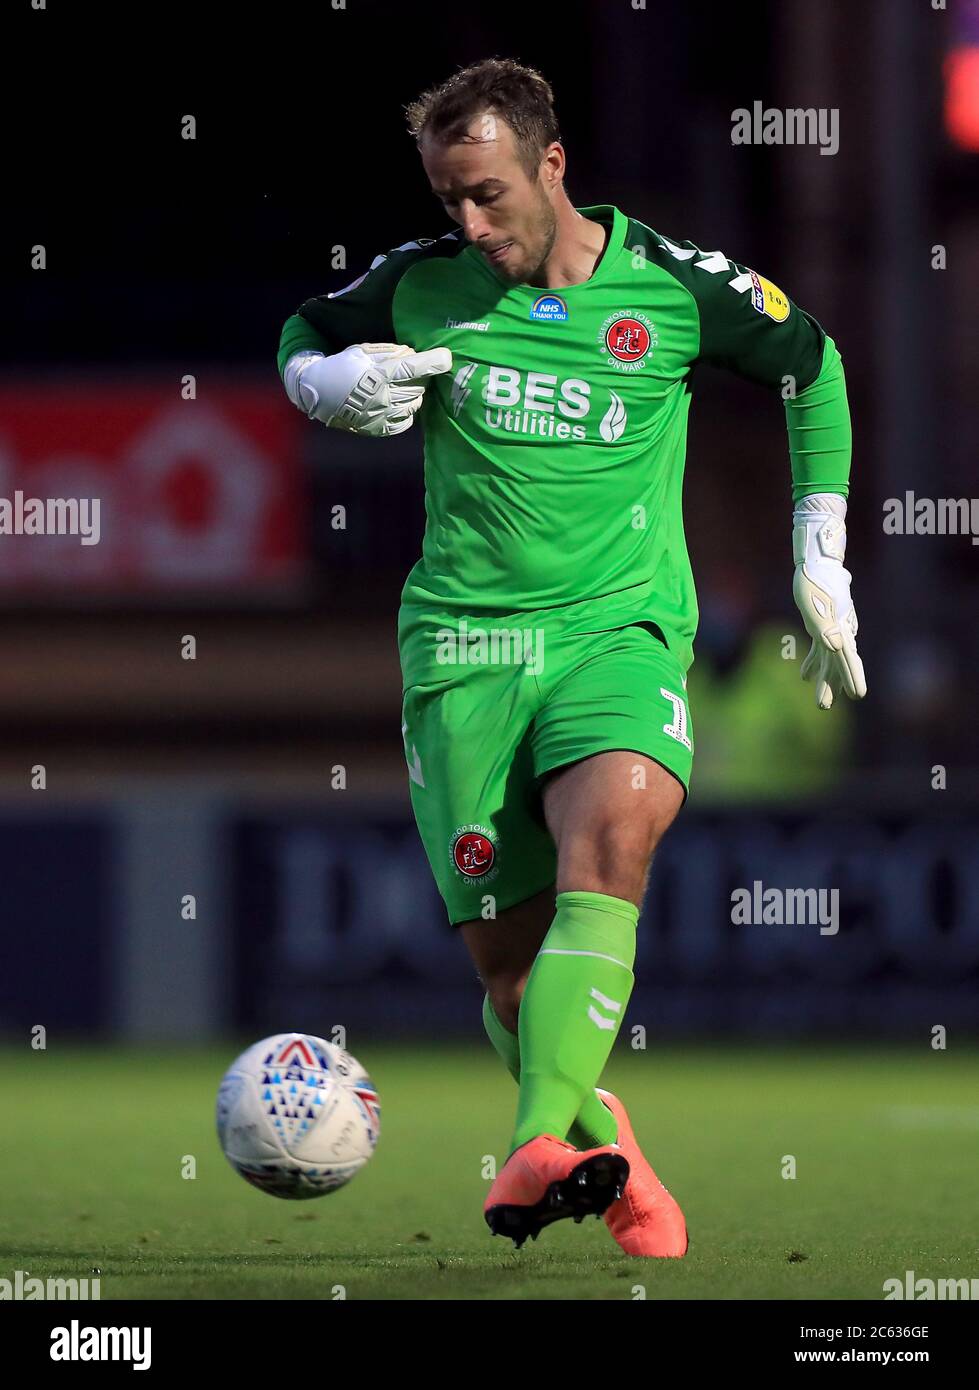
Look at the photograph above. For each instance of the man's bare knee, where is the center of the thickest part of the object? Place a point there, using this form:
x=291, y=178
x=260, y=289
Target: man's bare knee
x=610, y=856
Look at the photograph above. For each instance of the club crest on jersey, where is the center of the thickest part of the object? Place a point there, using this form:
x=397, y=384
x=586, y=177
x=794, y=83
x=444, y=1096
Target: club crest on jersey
x=627, y=337
x=549, y=308
x=474, y=852
x=768, y=298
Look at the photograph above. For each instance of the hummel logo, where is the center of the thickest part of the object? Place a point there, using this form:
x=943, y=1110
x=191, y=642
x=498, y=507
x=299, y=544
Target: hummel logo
x=467, y=323
x=599, y=1020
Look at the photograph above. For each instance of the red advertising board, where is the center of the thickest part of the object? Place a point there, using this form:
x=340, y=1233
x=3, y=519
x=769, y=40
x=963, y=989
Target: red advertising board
x=128, y=491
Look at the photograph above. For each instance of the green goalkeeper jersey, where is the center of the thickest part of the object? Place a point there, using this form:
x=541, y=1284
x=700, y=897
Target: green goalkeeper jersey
x=555, y=446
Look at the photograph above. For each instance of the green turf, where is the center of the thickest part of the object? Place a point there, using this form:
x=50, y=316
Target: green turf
x=885, y=1143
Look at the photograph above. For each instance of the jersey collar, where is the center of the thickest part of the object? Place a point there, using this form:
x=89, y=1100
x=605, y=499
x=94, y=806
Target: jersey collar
x=600, y=212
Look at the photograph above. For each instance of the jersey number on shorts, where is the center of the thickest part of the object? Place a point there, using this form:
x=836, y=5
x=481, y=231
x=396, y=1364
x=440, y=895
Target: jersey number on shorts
x=678, y=729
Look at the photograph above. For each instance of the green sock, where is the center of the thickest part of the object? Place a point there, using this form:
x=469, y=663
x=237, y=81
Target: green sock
x=594, y=1124
x=572, y=1009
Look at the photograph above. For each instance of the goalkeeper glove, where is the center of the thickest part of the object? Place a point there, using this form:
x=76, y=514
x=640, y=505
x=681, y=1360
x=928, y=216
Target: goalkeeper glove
x=372, y=389
x=821, y=589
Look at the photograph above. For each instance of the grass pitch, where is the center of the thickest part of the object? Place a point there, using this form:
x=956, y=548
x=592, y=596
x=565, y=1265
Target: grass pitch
x=94, y=1142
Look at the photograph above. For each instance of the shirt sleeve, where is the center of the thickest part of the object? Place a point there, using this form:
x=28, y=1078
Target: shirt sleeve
x=820, y=436
x=751, y=327
x=359, y=313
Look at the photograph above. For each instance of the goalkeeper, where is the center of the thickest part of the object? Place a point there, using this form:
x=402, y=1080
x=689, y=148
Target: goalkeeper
x=546, y=351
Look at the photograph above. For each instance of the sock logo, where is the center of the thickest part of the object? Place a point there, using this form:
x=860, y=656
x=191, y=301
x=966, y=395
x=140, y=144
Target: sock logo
x=600, y=1020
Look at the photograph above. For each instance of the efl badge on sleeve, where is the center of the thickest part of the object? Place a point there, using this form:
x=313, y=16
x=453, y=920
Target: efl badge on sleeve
x=768, y=298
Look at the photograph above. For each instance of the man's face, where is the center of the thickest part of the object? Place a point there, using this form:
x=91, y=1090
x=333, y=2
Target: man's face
x=507, y=216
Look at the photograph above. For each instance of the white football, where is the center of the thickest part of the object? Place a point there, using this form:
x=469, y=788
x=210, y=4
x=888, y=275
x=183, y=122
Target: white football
x=297, y=1116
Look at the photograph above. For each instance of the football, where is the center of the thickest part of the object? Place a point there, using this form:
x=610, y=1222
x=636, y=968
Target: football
x=297, y=1116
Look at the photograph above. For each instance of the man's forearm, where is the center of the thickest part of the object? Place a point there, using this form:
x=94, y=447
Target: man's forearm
x=820, y=437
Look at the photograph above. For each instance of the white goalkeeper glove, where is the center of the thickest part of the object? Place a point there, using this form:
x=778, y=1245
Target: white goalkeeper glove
x=372, y=389
x=821, y=589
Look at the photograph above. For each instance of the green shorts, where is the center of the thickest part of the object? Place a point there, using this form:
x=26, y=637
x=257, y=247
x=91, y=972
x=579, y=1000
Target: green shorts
x=481, y=735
